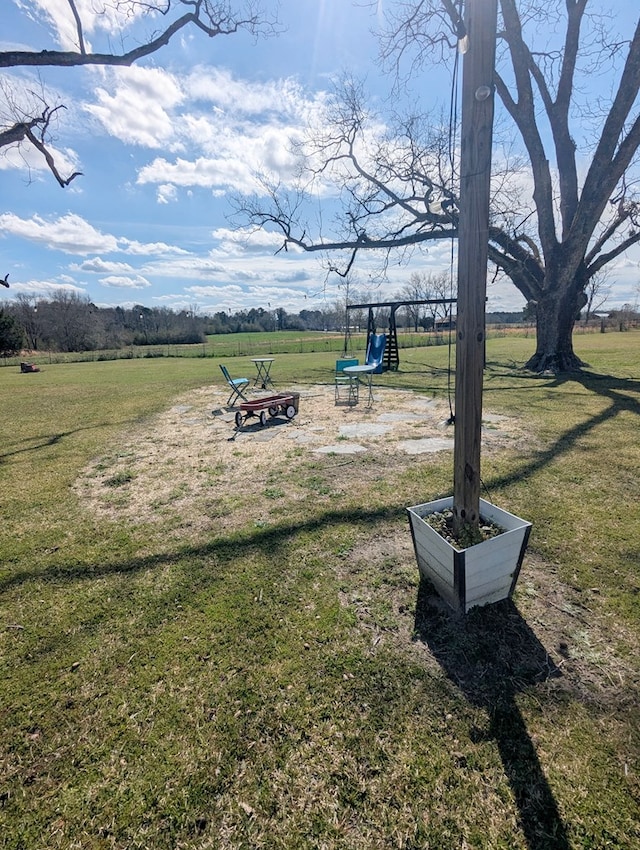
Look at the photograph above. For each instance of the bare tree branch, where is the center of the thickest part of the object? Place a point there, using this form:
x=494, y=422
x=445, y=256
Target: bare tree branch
x=38, y=141
x=211, y=17
x=398, y=190
x=74, y=10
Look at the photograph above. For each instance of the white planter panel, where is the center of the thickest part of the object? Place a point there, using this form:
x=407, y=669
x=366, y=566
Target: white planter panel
x=479, y=575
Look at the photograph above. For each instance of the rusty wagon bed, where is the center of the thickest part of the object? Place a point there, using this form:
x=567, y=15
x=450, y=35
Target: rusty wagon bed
x=282, y=404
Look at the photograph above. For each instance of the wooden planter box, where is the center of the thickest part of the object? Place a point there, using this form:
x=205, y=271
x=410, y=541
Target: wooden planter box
x=484, y=573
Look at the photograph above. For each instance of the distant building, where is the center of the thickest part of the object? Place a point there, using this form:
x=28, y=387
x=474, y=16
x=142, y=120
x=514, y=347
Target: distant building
x=446, y=324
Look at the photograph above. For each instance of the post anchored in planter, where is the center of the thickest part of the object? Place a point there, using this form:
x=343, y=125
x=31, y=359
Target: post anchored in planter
x=484, y=573
x=487, y=571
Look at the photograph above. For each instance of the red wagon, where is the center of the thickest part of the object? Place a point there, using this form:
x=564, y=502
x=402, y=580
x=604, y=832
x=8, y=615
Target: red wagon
x=282, y=404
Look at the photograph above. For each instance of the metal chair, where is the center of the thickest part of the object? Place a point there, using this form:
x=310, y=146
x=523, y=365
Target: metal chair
x=346, y=382
x=236, y=384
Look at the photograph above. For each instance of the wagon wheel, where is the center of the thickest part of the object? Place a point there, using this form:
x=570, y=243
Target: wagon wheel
x=290, y=412
x=273, y=411
x=263, y=417
x=238, y=419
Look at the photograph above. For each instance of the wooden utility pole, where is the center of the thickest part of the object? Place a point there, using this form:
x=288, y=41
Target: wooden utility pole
x=481, y=20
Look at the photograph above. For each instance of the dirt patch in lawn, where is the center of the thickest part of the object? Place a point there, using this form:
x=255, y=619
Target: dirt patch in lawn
x=191, y=471
x=192, y=456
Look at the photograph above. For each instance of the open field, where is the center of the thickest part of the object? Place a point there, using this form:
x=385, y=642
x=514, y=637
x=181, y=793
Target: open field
x=265, y=344
x=211, y=640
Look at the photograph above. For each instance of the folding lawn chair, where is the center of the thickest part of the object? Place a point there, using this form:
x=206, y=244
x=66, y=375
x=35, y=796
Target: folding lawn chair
x=236, y=384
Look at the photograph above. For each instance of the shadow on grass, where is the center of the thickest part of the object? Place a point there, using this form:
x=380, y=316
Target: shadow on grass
x=607, y=386
x=43, y=441
x=236, y=546
x=40, y=442
x=492, y=655
x=596, y=382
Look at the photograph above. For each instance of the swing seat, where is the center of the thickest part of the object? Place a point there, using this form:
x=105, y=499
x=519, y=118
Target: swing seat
x=375, y=352
x=346, y=386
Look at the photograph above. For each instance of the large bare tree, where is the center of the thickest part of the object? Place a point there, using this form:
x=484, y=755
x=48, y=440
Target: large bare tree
x=27, y=119
x=565, y=205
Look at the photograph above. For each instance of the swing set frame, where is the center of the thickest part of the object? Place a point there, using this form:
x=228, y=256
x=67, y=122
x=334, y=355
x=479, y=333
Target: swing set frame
x=392, y=351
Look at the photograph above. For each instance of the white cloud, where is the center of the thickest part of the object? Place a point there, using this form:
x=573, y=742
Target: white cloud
x=130, y=246
x=234, y=96
x=199, y=268
x=73, y=235
x=233, y=157
x=136, y=105
x=228, y=291
x=299, y=276
x=213, y=298
x=249, y=131
x=166, y=193
x=245, y=240
x=56, y=14
x=123, y=282
x=46, y=288
x=69, y=233
x=100, y=266
x=202, y=172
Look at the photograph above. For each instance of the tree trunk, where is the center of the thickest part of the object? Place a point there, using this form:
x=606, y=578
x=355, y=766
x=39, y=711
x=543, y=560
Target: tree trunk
x=555, y=317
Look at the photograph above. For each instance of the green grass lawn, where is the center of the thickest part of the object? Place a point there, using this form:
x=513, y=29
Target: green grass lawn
x=290, y=683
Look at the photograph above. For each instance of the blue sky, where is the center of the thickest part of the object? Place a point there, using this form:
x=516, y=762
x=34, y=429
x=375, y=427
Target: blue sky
x=162, y=147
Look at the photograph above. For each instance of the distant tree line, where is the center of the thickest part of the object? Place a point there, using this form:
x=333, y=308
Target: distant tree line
x=11, y=335
x=68, y=322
